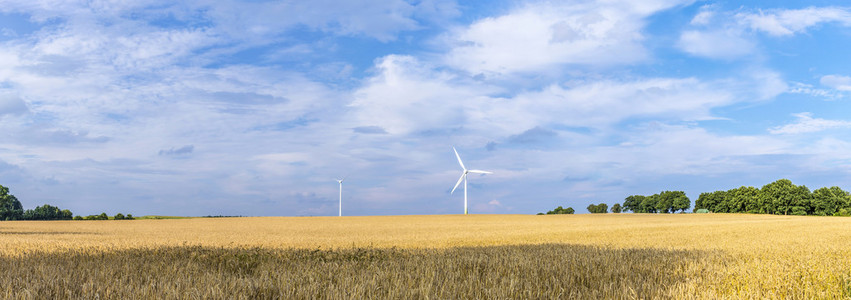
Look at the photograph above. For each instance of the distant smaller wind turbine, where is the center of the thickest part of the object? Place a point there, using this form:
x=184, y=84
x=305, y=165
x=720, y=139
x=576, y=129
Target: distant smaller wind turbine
x=340, y=181
x=464, y=178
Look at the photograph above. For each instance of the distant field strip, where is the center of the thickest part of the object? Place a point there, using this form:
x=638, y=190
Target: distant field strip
x=477, y=256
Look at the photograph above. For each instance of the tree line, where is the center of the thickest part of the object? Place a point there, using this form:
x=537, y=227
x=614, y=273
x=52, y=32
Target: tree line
x=593, y=208
x=663, y=202
x=781, y=197
x=11, y=209
x=560, y=211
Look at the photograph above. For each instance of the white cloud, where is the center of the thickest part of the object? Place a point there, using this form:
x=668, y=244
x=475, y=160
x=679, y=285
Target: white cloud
x=725, y=44
x=808, y=89
x=542, y=36
x=407, y=96
x=256, y=20
x=727, y=35
x=704, y=17
x=807, y=124
x=786, y=22
x=838, y=82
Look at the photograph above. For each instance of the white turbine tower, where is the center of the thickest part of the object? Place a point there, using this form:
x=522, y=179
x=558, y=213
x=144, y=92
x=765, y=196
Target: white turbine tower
x=340, y=181
x=464, y=178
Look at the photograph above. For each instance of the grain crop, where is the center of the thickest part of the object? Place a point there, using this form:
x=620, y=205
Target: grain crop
x=624, y=256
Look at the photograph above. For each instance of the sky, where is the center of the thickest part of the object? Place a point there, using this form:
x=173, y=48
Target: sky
x=254, y=108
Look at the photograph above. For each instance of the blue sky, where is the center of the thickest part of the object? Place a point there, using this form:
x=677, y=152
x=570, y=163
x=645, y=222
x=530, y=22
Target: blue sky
x=255, y=107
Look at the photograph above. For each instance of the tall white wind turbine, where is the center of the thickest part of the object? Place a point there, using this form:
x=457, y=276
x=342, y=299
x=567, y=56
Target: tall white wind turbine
x=340, y=181
x=464, y=178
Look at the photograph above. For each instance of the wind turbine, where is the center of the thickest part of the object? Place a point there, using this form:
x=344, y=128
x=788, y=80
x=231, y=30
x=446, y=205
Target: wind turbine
x=340, y=181
x=464, y=178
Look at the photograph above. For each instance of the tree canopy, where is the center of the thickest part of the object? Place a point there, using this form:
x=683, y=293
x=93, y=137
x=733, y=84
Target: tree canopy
x=781, y=197
x=560, y=211
x=616, y=208
x=663, y=202
x=47, y=212
x=10, y=207
x=598, y=209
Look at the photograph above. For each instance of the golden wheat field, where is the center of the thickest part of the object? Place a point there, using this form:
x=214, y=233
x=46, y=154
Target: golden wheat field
x=623, y=256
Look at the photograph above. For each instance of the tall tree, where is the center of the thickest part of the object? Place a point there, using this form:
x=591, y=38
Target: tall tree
x=680, y=201
x=10, y=207
x=598, y=208
x=561, y=211
x=782, y=197
x=665, y=202
x=743, y=199
x=633, y=203
x=616, y=208
x=827, y=201
x=648, y=205
x=592, y=208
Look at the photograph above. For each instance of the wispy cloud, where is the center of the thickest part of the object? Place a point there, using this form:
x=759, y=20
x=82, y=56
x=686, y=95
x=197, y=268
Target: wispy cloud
x=730, y=35
x=177, y=152
x=807, y=124
x=838, y=82
x=786, y=22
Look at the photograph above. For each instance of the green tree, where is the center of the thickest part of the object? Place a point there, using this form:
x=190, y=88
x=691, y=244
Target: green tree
x=102, y=216
x=665, y=202
x=714, y=201
x=782, y=197
x=557, y=211
x=777, y=196
x=598, y=209
x=10, y=207
x=67, y=214
x=744, y=199
x=680, y=201
x=616, y=208
x=648, y=204
x=119, y=216
x=722, y=202
x=827, y=201
x=633, y=203
x=672, y=201
x=47, y=212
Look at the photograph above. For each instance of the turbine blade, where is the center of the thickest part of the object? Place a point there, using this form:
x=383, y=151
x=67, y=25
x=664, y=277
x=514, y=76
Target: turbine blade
x=459, y=159
x=479, y=171
x=459, y=183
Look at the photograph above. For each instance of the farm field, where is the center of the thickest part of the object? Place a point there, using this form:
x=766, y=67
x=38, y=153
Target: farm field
x=704, y=256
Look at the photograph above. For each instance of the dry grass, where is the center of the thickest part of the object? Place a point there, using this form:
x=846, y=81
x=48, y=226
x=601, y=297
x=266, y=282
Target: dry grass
x=529, y=271
x=573, y=256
